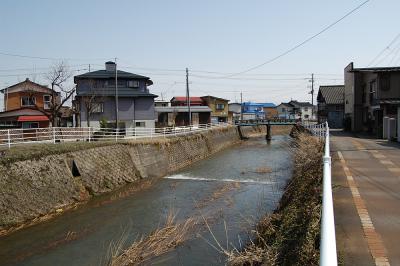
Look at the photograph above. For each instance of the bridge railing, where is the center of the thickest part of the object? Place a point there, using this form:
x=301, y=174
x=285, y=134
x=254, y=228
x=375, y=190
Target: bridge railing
x=265, y=121
x=328, y=255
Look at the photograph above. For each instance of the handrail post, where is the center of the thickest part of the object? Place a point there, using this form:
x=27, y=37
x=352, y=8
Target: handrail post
x=8, y=139
x=328, y=242
x=89, y=134
x=54, y=135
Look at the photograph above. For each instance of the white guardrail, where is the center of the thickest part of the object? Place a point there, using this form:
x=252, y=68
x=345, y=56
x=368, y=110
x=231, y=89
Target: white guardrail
x=9, y=137
x=328, y=254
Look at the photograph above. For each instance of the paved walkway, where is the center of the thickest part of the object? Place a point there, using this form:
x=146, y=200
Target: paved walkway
x=366, y=192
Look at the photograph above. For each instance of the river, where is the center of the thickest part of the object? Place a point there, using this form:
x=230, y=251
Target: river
x=233, y=187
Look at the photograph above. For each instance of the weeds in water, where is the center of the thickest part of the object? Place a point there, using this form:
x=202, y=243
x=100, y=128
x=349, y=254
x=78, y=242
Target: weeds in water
x=158, y=242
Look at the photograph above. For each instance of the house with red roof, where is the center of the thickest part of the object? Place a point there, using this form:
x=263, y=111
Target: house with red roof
x=26, y=105
x=178, y=113
x=182, y=101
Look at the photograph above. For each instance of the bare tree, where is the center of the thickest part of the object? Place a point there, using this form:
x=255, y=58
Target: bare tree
x=92, y=100
x=61, y=91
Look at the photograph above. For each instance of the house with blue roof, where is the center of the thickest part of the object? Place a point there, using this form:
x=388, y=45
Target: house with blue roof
x=252, y=110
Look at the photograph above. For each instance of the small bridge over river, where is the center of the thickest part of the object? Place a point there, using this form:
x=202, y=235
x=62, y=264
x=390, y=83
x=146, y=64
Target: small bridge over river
x=265, y=122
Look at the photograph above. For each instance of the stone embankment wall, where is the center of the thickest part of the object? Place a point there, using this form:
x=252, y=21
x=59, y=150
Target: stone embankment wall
x=33, y=189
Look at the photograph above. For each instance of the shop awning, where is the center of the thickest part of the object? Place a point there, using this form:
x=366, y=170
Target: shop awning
x=32, y=118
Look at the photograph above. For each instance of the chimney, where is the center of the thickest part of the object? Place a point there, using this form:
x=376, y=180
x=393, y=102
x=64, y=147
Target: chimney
x=110, y=66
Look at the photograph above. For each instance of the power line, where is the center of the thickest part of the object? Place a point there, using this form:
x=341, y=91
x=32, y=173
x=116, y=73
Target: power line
x=50, y=58
x=266, y=74
x=34, y=68
x=384, y=49
x=303, y=42
x=36, y=73
x=388, y=54
x=211, y=77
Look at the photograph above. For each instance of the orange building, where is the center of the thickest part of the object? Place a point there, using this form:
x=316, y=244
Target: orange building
x=26, y=105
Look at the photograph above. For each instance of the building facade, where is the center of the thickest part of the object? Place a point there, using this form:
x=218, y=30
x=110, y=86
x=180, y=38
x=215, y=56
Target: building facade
x=285, y=111
x=270, y=110
x=95, y=100
x=303, y=110
x=253, y=111
x=27, y=105
x=371, y=94
x=234, y=112
x=219, y=108
x=296, y=110
x=171, y=116
x=331, y=105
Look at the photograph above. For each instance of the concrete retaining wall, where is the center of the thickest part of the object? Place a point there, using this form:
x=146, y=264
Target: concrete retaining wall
x=35, y=188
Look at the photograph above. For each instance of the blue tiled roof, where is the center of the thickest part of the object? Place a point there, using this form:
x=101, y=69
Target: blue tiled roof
x=268, y=105
x=259, y=104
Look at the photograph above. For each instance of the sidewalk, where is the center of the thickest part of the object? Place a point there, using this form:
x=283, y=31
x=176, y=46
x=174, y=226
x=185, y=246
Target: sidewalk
x=366, y=193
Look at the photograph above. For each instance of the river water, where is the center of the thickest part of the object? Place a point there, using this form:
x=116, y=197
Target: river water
x=233, y=187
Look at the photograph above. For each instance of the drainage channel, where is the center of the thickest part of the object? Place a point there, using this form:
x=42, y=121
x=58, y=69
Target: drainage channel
x=258, y=170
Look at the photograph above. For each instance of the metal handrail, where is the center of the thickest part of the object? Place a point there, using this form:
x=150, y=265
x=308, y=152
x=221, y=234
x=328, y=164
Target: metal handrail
x=9, y=137
x=328, y=255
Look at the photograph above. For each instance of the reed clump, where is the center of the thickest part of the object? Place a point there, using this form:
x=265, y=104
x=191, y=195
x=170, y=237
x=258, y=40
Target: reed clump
x=163, y=239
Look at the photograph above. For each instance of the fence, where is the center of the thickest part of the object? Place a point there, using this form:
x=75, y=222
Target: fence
x=9, y=137
x=328, y=254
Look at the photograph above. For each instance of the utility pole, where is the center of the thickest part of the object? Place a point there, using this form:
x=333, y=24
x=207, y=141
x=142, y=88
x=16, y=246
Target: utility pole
x=241, y=105
x=116, y=95
x=188, y=96
x=312, y=89
x=312, y=95
x=89, y=67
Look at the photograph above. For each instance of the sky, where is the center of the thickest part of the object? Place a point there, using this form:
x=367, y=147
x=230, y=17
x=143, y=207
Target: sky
x=213, y=39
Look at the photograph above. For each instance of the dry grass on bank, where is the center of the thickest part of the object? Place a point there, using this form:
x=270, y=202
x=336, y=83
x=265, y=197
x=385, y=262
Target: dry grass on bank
x=290, y=236
x=158, y=242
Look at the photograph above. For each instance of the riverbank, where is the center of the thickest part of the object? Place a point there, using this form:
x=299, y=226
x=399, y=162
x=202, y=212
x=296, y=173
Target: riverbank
x=41, y=181
x=227, y=186
x=290, y=236
x=47, y=180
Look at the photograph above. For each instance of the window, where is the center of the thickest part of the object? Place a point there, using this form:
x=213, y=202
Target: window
x=110, y=83
x=305, y=109
x=283, y=110
x=133, y=84
x=372, y=92
x=220, y=106
x=97, y=108
x=306, y=116
x=46, y=101
x=121, y=83
x=385, y=82
x=28, y=101
x=140, y=124
x=364, y=93
x=30, y=125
